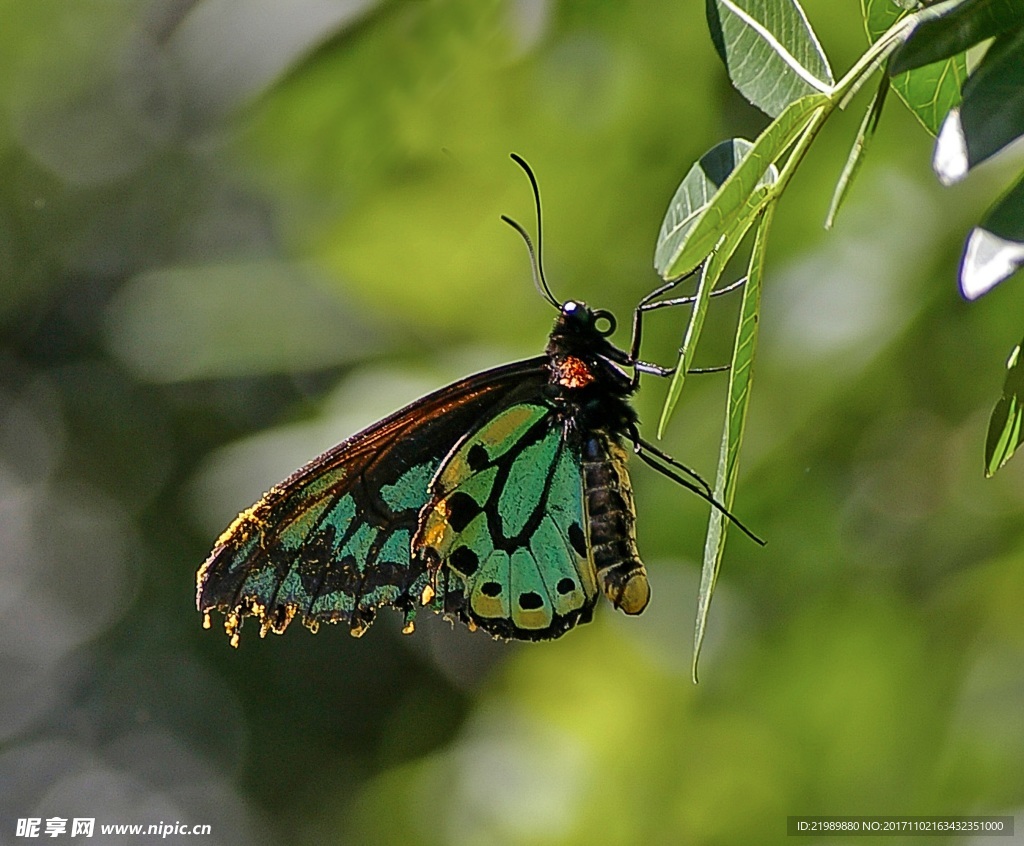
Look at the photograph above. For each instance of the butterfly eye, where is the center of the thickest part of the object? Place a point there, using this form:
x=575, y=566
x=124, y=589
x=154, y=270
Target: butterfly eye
x=608, y=319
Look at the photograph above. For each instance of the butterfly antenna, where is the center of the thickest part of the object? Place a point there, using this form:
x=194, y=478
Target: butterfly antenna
x=536, y=258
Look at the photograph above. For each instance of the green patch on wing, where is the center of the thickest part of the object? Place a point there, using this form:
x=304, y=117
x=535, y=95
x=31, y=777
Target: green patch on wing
x=330, y=558
x=504, y=508
x=410, y=489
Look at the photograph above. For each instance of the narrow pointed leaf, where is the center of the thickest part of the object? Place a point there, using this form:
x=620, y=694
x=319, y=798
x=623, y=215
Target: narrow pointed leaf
x=693, y=196
x=770, y=51
x=685, y=242
x=1005, y=429
x=740, y=381
x=710, y=275
x=860, y=146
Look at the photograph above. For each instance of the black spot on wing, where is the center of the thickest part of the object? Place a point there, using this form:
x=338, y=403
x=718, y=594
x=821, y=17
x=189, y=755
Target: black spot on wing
x=490, y=589
x=477, y=457
x=530, y=600
x=566, y=585
x=463, y=560
x=462, y=508
x=578, y=539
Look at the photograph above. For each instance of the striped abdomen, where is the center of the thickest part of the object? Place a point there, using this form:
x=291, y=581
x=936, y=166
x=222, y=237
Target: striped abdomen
x=611, y=519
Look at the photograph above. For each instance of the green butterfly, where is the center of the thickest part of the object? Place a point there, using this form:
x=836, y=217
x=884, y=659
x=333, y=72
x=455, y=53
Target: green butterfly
x=502, y=500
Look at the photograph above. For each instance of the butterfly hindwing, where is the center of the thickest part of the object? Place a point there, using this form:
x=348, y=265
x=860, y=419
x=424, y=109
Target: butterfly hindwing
x=333, y=542
x=507, y=518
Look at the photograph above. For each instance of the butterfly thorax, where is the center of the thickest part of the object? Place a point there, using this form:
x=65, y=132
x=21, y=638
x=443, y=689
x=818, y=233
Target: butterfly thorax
x=584, y=376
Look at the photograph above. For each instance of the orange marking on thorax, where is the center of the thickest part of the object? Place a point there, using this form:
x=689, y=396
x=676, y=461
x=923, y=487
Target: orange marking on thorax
x=573, y=372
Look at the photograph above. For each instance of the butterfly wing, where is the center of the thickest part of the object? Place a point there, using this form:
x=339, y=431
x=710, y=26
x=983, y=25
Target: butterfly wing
x=507, y=519
x=333, y=542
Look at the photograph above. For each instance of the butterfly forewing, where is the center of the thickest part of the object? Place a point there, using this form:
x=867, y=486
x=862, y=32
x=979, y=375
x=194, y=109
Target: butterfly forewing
x=333, y=542
x=506, y=517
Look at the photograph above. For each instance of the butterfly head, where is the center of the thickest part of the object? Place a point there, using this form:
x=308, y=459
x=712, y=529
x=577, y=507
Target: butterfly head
x=580, y=353
x=580, y=320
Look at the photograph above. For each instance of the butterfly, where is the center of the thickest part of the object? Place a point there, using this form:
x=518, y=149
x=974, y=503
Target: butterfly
x=502, y=500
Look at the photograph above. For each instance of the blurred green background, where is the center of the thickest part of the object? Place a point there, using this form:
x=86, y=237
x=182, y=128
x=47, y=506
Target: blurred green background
x=233, y=233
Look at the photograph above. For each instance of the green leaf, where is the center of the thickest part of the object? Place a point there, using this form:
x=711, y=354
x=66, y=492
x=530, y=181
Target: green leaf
x=992, y=113
x=1005, y=429
x=955, y=31
x=686, y=239
x=860, y=146
x=686, y=210
x=995, y=249
x=693, y=195
x=878, y=16
x=1006, y=217
x=770, y=51
x=740, y=381
x=711, y=273
x=929, y=92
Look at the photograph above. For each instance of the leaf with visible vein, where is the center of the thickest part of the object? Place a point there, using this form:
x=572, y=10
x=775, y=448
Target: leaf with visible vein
x=740, y=198
x=770, y=51
x=931, y=91
x=740, y=380
x=860, y=146
x=712, y=271
x=698, y=187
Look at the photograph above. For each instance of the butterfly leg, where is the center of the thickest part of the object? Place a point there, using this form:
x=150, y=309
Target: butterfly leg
x=667, y=466
x=650, y=303
x=647, y=304
x=645, y=448
x=658, y=370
